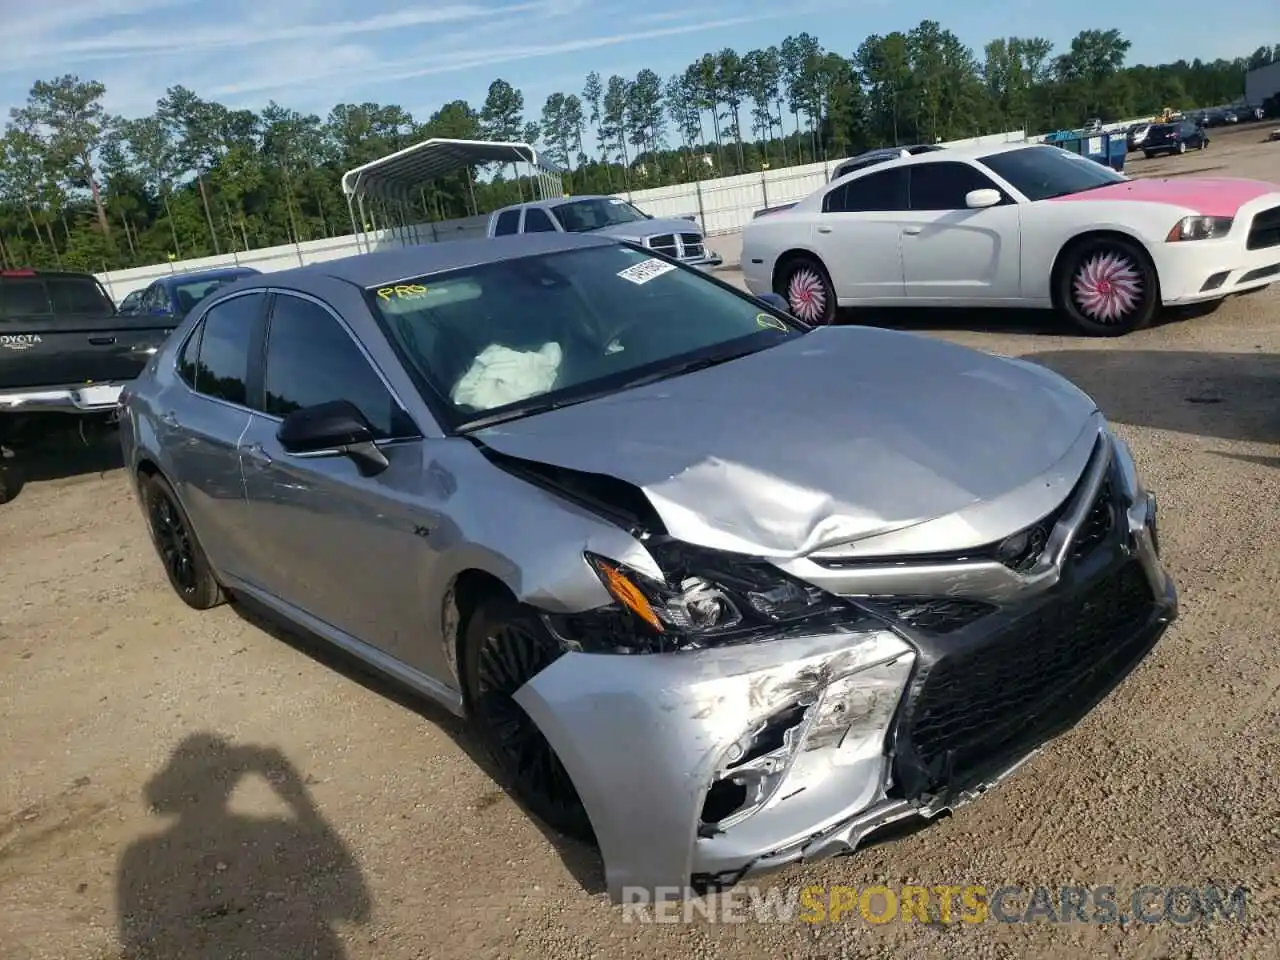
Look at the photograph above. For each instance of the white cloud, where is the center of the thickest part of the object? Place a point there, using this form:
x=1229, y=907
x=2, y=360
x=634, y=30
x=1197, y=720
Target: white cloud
x=32, y=20
x=278, y=25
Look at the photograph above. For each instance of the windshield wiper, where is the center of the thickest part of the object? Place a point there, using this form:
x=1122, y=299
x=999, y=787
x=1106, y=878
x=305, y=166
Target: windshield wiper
x=689, y=366
x=524, y=410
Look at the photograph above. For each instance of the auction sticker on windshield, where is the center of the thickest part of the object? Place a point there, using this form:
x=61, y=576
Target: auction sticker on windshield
x=646, y=270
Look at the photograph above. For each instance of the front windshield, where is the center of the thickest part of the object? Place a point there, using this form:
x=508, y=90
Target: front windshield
x=1044, y=172
x=583, y=216
x=515, y=337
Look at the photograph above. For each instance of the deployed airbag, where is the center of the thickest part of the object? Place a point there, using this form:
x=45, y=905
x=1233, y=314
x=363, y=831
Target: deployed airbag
x=501, y=375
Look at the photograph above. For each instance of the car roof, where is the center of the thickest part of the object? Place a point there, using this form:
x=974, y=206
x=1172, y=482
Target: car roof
x=387, y=266
x=214, y=273
x=966, y=152
x=552, y=202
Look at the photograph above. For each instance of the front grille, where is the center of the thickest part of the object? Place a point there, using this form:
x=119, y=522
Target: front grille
x=692, y=246
x=1265, y=230
x=1047, y=669
x=1097, y=523
x=664, y=243
x=1260, y=274
x=932, y=614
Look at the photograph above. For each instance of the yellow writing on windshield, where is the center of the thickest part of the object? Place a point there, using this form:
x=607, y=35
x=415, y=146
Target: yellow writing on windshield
x=402, y=291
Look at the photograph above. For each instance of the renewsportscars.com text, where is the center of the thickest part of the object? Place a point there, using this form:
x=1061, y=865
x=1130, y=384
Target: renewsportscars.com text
x=971, y=904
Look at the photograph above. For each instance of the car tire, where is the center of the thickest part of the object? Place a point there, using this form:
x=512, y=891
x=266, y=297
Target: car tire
x=1182, y=146
x=806, y=285
x=1148, y=154
x=1107, y=287
x=184, y=560
x=12, y=478
x=505, y=646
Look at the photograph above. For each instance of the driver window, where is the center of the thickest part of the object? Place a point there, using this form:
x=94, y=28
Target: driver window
x=943, y=186
x=537, y=221
x=155, y=298
x=311, y=359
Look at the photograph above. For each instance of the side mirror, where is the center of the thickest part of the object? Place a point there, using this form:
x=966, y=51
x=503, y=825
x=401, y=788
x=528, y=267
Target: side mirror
x=330, y=429
x=978, y=199
x=775, y=301
x=689, y=216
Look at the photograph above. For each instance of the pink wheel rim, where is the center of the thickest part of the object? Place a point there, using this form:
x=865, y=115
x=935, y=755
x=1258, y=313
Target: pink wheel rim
x=1107, y=287
x=807, y=295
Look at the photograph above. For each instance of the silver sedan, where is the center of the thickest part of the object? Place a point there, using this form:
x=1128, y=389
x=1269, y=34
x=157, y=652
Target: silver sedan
x=718, y=591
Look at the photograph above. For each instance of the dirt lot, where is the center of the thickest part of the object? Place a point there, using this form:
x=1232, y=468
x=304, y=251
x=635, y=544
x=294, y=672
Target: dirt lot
x=197, y=783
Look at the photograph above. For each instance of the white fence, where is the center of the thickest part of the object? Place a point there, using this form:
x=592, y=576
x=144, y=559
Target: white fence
x=722, y=206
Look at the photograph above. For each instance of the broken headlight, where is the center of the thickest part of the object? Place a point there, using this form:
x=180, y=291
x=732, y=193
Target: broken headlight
x=707, y=598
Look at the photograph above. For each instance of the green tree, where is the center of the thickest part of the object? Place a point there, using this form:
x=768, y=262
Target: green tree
x=70, y=110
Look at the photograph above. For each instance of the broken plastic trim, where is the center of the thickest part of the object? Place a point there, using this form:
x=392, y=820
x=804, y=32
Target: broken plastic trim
x=609, y=498
x=707, y=599
x=752, y=766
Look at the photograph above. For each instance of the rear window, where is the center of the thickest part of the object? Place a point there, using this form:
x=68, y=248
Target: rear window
x=78, y=295
x=43, y=296
x=1162, y=128
x=22, y=297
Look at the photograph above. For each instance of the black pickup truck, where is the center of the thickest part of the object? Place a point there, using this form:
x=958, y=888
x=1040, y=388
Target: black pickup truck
x=65, y=354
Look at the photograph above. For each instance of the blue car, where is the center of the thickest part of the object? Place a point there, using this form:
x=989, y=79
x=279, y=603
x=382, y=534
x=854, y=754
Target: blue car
x=174, y=296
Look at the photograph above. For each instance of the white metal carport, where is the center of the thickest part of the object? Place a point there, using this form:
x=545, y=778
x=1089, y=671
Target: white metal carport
x=391, y=182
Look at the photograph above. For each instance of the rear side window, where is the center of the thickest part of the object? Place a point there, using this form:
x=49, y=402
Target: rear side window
x=508, y=223
x=221, y=366
x=78, y=295
x=880, y=191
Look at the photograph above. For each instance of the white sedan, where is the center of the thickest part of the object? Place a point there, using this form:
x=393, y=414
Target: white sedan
x=1016, y=226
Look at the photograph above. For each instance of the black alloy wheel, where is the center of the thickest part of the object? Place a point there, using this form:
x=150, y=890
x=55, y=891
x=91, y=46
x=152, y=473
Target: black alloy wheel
x=505, y=647
x=184, y=561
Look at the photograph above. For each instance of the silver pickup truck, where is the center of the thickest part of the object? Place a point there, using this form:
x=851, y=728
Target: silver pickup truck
x=680, y=238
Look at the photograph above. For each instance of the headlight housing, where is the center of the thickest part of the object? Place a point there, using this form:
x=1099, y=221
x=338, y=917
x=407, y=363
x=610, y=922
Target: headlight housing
x=708, y=598
x=1200, y=228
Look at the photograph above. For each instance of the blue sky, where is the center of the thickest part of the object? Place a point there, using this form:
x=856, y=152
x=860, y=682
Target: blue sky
x=310, y=54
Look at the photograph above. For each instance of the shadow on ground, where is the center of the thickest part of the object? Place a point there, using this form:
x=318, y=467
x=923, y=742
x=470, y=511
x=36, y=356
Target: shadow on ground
x=57, y=456
x=217, y=883
x=1226, y=396
x=582, y=862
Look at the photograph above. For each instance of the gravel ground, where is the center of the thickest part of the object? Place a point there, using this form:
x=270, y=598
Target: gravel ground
x=201, y=786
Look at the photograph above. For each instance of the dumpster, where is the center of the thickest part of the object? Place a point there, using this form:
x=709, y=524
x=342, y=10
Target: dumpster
x=1108, y=149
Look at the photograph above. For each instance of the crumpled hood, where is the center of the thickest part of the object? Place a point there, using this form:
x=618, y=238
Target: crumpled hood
x=650, y=228
x=838, y=435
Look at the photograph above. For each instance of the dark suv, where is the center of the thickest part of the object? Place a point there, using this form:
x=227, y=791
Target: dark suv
x=1178, y=137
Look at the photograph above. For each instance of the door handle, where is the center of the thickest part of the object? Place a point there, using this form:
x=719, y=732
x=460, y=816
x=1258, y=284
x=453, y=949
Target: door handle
x=911, y=231
x=824, y=229
x=255, y=451
x=102, y=341
x=169, y=419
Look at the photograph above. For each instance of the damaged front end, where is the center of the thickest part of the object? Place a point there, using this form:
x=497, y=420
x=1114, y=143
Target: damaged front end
x=732, y=715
